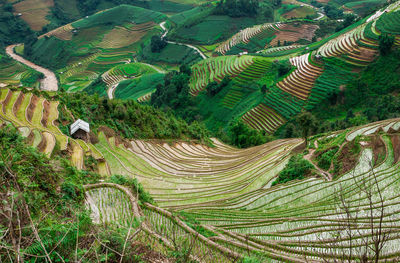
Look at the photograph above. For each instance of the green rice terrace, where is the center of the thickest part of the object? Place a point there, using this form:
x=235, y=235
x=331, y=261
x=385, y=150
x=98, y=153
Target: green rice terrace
x=230, y=194
x=196, y=131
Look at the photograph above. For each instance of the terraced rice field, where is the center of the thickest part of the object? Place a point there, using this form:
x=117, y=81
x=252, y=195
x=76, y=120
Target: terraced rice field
x=215, y=69
x=268, y=35
x=123, y=72
x=300, y=82
x=122, y=36
x=34, y=12
x=14, y=73
x=300, y=221
x=245, y=35
x=264, y=118
x=36, y=118
x=322, y=72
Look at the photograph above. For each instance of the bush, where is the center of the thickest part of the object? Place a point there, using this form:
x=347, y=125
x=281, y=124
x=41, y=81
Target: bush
x=385, y=43
x=325, y=159
x=297, y=168
x=243, y=136
x=157, y=44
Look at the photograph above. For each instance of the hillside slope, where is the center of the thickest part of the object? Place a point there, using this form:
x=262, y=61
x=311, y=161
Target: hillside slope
x=317, y=70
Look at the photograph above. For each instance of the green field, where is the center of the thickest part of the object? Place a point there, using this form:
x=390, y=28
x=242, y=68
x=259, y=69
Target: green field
x=136, y=88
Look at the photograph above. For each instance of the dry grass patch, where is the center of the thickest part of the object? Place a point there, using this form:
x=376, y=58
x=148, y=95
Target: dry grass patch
x=292, y=33
x=34, y=12
x=122, y=36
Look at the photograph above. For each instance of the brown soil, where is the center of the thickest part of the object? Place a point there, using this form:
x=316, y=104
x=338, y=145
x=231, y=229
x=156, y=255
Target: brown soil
x=107, y=131
x=146, y=254
x=31, y=107
x=379, y=149
x=299, y=149
x=18, y=102
x=347, y=158
x=293, y=33
x=93, y=138
x=46, y=112
x=6, y=101
x=396, y=146
x=30, y=138
x=42, y=144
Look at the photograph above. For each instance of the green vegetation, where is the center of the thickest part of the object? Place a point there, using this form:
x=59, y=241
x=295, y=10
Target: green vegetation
x=386, y=43
x=118, y=15
x=370, y=97
x=41, y=190
x=243, y=136
x=296, y=169
x=170, y=54
x=237, y=8
x=200, y=33
x=12, y=28
x=134, y=186
x=138, y=87
x=128, y=118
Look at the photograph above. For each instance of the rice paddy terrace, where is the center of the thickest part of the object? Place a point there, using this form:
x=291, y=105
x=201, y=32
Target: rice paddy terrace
x=13, y=73
x=267, y=35
x=317, y=69
x=92, y=47
x=227, y=191
x=300, y=221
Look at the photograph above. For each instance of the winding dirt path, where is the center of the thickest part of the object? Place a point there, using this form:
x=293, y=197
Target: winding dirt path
x=328, y=176
x=48, y=83
x=162, y=25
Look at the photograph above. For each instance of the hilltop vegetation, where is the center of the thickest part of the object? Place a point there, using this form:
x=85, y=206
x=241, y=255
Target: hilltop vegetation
x=12, y=29
x=128, y=118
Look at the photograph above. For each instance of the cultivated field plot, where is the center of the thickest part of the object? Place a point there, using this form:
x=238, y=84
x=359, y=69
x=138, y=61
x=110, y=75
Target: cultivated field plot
x=300, y=221
x=15, y=74
x=259, y=37
x=36, y=119
x=88, y=48
x=321, y=72
x=34, y=12
x=215, y=69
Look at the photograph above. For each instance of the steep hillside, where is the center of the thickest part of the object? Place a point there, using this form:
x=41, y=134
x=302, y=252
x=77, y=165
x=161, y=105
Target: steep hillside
x=318, y=70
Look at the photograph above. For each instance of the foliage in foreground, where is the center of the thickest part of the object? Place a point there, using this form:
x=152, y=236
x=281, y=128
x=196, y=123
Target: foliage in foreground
x=44, y=217
x=35, y=188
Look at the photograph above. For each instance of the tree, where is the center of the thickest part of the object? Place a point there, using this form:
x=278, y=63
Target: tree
x=243, y=136
x=212, y=88
x=264, y=89
x=385, y=43
x=185, y=69
x=307, y=122
x=157, y=44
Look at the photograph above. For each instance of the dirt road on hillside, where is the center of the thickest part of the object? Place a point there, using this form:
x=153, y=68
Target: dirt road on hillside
x=162, y=25
x=48, y=83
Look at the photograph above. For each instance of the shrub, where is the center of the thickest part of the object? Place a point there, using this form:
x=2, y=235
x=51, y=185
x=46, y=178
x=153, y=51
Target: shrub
x=385, y=43
x=297, y=168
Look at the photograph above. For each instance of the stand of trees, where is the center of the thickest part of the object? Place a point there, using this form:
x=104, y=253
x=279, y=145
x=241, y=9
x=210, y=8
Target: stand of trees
x=12, y=29
x=174, y=95
x=237, y=8
x=157, y=44
x=213, y=88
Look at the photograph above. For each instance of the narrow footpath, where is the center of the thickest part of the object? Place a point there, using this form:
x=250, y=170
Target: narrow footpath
x=328, y=176
x=162, y=25
x=48, y=83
